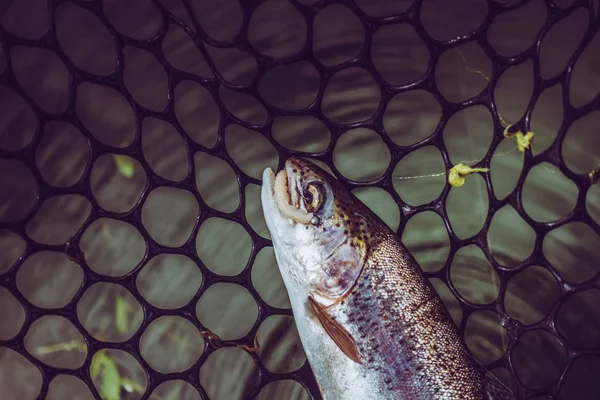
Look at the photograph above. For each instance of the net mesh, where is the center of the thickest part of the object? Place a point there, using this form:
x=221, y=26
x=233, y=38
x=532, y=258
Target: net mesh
x=227, y=109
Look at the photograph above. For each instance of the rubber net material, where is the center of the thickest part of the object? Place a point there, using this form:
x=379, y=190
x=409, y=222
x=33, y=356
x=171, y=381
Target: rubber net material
x=134, y=261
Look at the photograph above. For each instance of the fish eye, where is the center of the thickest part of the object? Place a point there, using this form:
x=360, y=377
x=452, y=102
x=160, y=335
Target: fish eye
x=313, y=197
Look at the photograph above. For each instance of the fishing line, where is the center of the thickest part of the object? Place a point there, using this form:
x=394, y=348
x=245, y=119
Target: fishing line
x=457, y=174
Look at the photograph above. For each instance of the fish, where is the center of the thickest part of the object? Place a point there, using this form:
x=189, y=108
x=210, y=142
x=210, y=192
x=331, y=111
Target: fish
x=370, y=322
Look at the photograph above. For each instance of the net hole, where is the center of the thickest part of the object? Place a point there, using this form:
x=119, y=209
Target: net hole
x=12, y=247
x=513, y=32
x=584, y=83
x=175, y=389
x=467, y=207
x=505, y=168
x=17, y=121
x=582, y=378
x=106, y=114
x=169, y=281
x=426, y=237
x=216, y=182
x=445, y=20
x=383, y=8
x=56, y=342
x=254, y=211
x=399, y=65
x=85, y=39
x=148, y=18
x=561, y=41
x=381, y=202
x=351, y=95
x=220, y=19
x=538, y=359
x=365, y=145
x=68, y=387
x=228, y=310
x=581, y=147
x=29, y=19
x=13, y=315
x=58, y=219
x=182, y=53
x=592, y=204
x=109, y=312
x=223, y=246
x=290, y=87
x=468, y=134
x=513, y=92
x=510, y=239
x=62, y=155
x=338, y=35
x=112, y=247
x=48, y=279
x=169, y=215
x=250, y=150
x=171, y=344
x=197, y=112
x=281, y=16
x=573, y=244
x=20, y=377
x=281, y=349
x=117, y=182
x=235, y=66
x=237, y=383
x=547, y=118
x=43, y=76
x=412, y=116
x=578, y=319
x=486, y=339
x=423, y=162
x=243, y=106
x=267, y=281
x=302, y=133
x=454, y=74
x=164, y=149
x=473, y=276
x=547, y=194
x=141, y=67
x=285, y=389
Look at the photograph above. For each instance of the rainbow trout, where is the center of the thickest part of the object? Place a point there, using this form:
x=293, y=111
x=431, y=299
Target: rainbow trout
x=371, y=324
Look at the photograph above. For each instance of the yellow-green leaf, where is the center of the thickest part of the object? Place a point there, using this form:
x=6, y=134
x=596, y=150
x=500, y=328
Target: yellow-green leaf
x=125, y=165
x=111, y=381
x=121, y=308
x=97, y=362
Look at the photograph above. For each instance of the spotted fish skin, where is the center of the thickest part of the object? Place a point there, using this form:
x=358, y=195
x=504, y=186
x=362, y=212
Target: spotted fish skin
x=371, y=324
x=404, y=333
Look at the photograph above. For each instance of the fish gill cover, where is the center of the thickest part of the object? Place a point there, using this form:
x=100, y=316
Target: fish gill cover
x=134, y=259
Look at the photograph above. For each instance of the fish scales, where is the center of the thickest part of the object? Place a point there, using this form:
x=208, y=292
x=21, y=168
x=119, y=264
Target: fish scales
x=370, y=322
x=409, y=341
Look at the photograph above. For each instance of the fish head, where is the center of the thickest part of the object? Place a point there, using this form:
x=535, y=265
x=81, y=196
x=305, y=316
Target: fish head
x=321, y=232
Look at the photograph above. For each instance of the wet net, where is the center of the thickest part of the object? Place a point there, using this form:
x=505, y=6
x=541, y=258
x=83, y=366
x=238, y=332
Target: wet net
x=291, y=77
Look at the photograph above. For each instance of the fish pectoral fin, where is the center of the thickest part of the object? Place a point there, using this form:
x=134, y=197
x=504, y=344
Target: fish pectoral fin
x=335, y=330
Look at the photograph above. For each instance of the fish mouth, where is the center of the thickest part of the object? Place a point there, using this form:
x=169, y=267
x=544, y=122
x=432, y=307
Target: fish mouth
x=286, y=194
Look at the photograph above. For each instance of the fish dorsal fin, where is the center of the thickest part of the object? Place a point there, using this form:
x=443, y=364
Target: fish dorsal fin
x=336, y=332
x=496, y=390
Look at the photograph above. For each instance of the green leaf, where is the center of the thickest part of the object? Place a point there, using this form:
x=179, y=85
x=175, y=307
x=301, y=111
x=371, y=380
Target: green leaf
x=125, y=165
x=97, y=362
x=121, y=308
x=111, y=381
